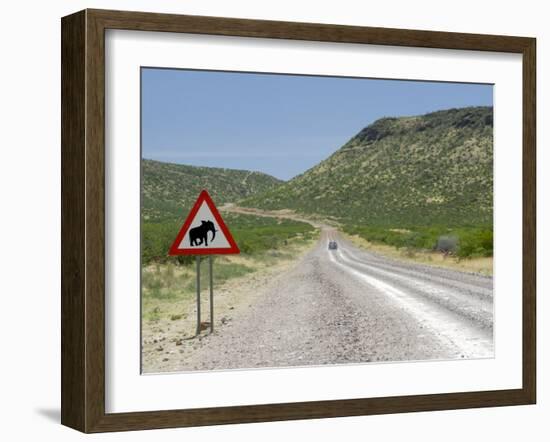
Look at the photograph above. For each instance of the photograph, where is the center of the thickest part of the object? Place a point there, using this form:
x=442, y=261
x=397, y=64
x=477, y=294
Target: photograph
x=272, y=221
x=306, y=220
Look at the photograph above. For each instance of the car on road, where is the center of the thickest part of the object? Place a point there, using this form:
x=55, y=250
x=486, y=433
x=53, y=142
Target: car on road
x=332, y=245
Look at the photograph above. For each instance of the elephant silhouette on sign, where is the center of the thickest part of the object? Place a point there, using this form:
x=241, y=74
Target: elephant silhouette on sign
x=199, y=235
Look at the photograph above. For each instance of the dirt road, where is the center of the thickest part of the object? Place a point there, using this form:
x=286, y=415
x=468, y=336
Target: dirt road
x=348, y=305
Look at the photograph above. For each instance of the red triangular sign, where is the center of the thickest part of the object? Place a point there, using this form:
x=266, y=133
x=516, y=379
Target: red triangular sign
x=203, y=232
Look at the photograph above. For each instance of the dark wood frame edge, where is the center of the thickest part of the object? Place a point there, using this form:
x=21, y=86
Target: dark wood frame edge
x=83, y=215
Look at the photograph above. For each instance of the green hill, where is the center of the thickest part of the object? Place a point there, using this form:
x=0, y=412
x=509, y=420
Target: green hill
x=169, y=190
x=434, y=169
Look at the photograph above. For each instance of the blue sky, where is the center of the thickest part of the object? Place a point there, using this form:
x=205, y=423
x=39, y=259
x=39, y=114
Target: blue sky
x=278, y=124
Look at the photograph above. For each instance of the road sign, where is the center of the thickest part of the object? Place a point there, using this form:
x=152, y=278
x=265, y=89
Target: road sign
x=204, y=231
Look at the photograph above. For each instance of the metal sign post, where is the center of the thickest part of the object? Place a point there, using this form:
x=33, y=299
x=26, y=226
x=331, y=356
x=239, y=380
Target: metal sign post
x=198, y=237
x=198, y=295
x=210, y=261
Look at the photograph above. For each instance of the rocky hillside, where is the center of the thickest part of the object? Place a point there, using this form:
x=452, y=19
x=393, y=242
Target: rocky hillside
x=424, y=170
x=169, y=190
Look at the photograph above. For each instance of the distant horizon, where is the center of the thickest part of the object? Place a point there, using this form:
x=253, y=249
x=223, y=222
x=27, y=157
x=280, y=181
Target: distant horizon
x=277, y=124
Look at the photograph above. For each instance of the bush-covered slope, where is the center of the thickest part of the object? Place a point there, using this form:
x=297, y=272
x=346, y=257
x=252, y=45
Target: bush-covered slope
x=434, y=169
x=169, y=190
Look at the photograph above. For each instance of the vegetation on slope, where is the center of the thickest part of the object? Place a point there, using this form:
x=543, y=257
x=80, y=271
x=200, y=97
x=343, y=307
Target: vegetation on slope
x=169, y=190
x=430, y=170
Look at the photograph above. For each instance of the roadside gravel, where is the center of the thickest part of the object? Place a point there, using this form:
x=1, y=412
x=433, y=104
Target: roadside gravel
x=317, y=314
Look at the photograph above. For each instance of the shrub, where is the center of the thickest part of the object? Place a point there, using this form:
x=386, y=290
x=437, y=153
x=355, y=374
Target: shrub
x=446, y=244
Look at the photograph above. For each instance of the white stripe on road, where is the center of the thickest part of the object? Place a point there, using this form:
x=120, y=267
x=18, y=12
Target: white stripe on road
x=435, y=290
x=465, y=340
x=439, y=280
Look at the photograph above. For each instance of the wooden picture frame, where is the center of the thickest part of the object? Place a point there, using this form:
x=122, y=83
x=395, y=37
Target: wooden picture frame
x=83, y=220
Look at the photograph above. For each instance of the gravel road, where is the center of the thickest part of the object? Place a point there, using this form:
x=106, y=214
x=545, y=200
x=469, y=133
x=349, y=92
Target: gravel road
x=351, y=306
